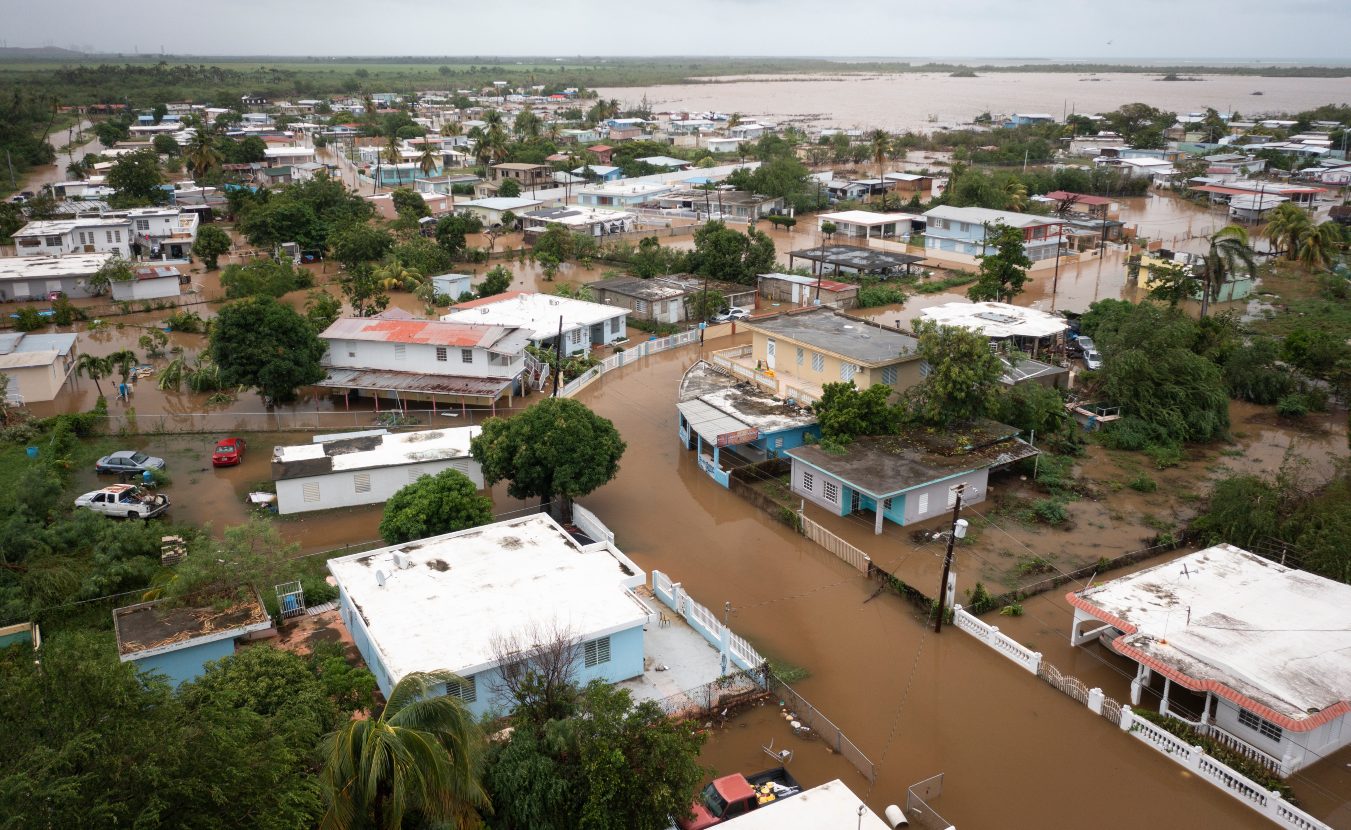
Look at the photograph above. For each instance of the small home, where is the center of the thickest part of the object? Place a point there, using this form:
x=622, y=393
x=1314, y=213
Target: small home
x=178, y=642
x=41, y=277
x=830, y=805
x=909, y=477
x=1239, y=286
x=1082, y=204
x=38, y=365
x=161, y=232
x=855, y=259
x=582, y=324
x=585, y=221
x=621, y=194
x=599, y=172
x=288, y=156
x=347, y=471
x=491, y=209
x=965, y=230
x=85, y=235
x=149, y=282
x=486, y=585
x=527, y=175
x=865, y=224
x=453, y=286
x=1024, y=329
x=1253, y=654
x=602, y=152
x=910, y=185
x=728, y=422
x=665, y=299
x=721, y=203
x=807, y=291
x=667, y=163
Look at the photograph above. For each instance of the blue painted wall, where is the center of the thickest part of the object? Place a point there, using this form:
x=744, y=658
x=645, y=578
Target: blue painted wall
x=186, y=663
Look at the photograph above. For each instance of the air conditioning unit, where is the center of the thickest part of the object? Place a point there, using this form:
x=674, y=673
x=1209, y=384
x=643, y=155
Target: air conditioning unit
x=401, y=560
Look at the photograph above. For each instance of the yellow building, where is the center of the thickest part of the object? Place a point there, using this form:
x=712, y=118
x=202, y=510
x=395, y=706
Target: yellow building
x=794, y=355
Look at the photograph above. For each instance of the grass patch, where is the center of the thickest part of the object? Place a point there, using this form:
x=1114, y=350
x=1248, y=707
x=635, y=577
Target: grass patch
x=1143, y=484
x=789, y=673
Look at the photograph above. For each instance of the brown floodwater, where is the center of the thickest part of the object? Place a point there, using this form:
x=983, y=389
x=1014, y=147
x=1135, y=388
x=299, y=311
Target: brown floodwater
x=924, y=101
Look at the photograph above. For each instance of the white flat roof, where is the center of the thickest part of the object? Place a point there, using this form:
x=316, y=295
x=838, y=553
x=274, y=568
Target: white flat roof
x=503, y=203
x=831, y=806
x=462, y=590
x=339, y=453
x=276, y=152
x=51, y=267
x=50, y=227
x=1227, y=619
x=996, y=319
x=716, y=404
x=866, y=217
x=977, y=215
x=537, y=312
x=626, y=188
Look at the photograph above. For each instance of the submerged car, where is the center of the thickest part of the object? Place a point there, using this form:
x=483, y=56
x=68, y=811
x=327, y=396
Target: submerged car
x=228, y=452
x=125, y=501
x=733, y=313
x=128, y=461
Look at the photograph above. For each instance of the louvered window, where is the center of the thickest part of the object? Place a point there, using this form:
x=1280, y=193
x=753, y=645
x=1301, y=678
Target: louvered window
x=596, y=652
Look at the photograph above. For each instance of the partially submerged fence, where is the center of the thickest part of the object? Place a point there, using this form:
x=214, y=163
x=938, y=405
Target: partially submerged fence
x=805, y=713
x=736, y=651
x=624, y=358
x=1266, y=802
x=836, y=545
x=919, y=807
x=730, y=691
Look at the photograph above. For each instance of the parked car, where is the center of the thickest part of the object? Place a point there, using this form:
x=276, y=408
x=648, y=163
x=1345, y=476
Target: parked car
x=733, y=313
x=734, y=795
x=125, y=501
x=1092, y=360
x=128, y=461
x=1079, y=345
x=228, y=452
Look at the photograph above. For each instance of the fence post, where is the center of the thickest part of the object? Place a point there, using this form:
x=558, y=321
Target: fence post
x=1127, y=717
x=1095, y=697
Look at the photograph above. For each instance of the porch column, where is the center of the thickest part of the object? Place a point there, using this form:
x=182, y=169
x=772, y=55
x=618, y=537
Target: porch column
x=1163, y=702
x=1137, y=685
x=877, y=522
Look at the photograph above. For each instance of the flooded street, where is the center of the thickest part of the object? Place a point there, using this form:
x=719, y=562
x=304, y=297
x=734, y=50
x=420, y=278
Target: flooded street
x=924, y=101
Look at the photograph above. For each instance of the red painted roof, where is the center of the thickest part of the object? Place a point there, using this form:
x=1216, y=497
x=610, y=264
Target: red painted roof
x=431, y=332
x=600, y=148
x=1251, y=191
x=1079, y=198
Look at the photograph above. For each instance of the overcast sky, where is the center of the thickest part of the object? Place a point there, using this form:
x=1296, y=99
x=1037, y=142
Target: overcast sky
x=1232, y=30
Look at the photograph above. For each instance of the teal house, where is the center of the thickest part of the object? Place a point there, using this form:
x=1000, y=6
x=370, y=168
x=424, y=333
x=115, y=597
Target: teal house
x=178, y=642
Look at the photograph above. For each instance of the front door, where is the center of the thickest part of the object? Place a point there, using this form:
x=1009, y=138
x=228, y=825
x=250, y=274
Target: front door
x=855, y=504
x=769, y=353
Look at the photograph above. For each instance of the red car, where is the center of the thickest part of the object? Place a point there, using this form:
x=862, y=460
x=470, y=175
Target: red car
x=229, y=452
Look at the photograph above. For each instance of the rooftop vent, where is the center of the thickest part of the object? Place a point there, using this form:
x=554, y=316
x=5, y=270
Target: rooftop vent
x=400, y=560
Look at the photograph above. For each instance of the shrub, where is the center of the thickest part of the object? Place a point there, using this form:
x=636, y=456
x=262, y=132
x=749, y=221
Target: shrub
x=28, y=319
x=1294, y=405
x=979, y=600
x=1050, y=511
x=1164, y=455
x=1143, y=484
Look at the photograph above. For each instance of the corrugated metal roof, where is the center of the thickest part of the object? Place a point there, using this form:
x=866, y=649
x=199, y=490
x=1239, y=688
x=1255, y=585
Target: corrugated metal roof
x=509, y=340
x=710, y=422
x=414, y=382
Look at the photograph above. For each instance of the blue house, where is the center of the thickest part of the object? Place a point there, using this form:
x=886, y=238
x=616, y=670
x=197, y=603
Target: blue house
x=964, y=230
x=26, y=633
x=730, y=423
x=906, y=478
x=178, y=642
x=479, y=602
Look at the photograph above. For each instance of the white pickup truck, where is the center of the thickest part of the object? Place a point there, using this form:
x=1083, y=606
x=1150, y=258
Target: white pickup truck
x=125, y=501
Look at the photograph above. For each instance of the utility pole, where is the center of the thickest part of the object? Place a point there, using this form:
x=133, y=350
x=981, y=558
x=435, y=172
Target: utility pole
x=558, y=351
x=958, y=531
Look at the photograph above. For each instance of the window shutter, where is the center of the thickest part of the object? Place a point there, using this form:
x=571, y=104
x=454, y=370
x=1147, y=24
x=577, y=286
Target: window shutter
x=362, y=482
x=310, y=491
x=596, y=652
x=923, y=503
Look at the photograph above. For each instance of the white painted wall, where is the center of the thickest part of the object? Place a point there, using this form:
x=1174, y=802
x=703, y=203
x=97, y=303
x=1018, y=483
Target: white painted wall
x=420, y=358
x=339, y=489
x=146, y=289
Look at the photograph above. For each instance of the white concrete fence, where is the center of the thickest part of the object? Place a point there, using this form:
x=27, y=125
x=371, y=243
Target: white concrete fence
x=1265, y=802
x=626, y=357
x=735, y=649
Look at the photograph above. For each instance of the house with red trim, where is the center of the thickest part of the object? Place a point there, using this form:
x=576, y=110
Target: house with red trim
x=1249, y=652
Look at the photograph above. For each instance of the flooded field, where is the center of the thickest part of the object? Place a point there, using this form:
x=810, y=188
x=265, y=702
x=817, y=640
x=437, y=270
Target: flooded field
x=924, y=101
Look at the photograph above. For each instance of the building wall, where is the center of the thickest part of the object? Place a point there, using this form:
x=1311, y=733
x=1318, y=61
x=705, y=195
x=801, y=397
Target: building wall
x=38, y=288
x=146, y=289
x=786, y=359
x=1295, y=749
x=906, y=508
x=819, y=487
x=773, y=444
x=38, y=383
x=339, y=489
x=933, y=500
x=417, y=357
x=187, y=663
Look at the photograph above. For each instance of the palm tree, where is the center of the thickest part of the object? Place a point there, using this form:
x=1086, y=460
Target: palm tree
x=1285, y=224
x=94, y=368
x=1228, y=255
x=429, y=159
x=394, y=155
x=201, y=154
x=1318, y=244
x=879, y=145
x=1016, y=192
x=418, y=757
x=123, y=362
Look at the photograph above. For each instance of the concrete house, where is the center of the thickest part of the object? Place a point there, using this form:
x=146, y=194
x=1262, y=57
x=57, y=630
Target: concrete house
x=38, y=365
x=726, y=204
x=729, y=423
x=807, y=291
x=794, y=355
x=179, y=642
x=161, y=232
x=584, y=324
x=964, y=230
x=453, y=286
x=492, y=209
x=441, y=604
x=906, y=478
x=909, y=185
x=400, y=359
x=586, y=221
x=665, y=299
x=865, y=224
x=346, y=471
x=1025, y=329
x=39, y=277
x=86, y=235
x=1252, y=654
x=621, y=194
x=527, y=175
x=149, y=282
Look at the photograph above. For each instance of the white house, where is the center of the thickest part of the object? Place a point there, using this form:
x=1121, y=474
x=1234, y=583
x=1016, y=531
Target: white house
x=282, y=156
x=38, y=277
x=1259, y=652
x=86, y=235
x=346, y=471
x=1028, y=329
x=150, y=282
x=965, y=230
x=584, y=324
x=831, y=806
x=491, y=209
x=621, y=194
x=446, y=603
x=38, y=365
x=865, y=224
x=395, y=357
x=586, y=221
x=453, y=286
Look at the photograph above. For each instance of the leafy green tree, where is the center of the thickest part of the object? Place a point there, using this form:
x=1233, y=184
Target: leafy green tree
x=165, y=145
x=1032, y=407
x=362, y=288
x=451, y=232
x=556, y=241
x=705, y=304
x=423, y=255
x=962, y=376
x=322, y=309
x=409, y=204
x=1318, y=245
x=1002, y=273
x=111, y=132
x=211, y=243
x=726, y=254
x=115, y=269
x=612, y=765
x=262, y=278
x=557, y=450
x=509, y=188
x=1285, y=224
x=433, y=505
x=1177, y=391
x=93, y=367
x=137, y=179
x=494, y=282
x=201, y=154
x=1251, y=372
x=416, y=761
x=260, y=343
x=845, y=412
x=269, y=224
x=1173, y=283
x=360, y=243
x=653, y=260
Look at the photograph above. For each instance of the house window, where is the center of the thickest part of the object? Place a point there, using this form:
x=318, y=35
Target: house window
x=117, y=236
x=142, y=224
x=615, y=325
x=596, y=652
x=414, y=475
x=889, y=374
x=466, y=355
x=847, y=371
x=110, y=235
x=778, y=443
x=466, y=689
x=832, y=492
x=818, y=362
x=53, y=242
x=808, y=481
x=441, y=354
x=886, y=504
x=400, y=351
x=640, y=306
x=576, y=336
x=309, y=491
x=362, y=481
x=1267, y=729
x=923, y=506
x=799, y=356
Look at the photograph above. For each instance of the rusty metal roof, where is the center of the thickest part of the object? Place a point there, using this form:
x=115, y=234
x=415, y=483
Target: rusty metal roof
x=504, y=339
